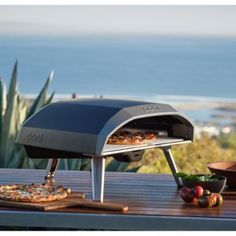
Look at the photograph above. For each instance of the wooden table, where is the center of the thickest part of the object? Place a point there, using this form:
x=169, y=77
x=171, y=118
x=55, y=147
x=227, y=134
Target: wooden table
x=153, y=200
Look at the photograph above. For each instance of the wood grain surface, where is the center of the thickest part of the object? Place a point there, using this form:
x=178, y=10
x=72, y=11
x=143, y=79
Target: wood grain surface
x=46, y=206
x=76, y=199
x=144, y=194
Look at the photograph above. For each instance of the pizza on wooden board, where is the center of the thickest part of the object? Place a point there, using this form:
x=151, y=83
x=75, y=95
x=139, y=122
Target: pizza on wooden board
x=132, y=138
x=34, y=193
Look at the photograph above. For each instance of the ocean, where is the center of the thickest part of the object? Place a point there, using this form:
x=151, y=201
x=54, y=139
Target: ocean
x=160, y=69
x=134, y=66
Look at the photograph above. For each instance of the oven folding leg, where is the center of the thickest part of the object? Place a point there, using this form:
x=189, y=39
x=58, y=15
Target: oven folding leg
x=51, y=169
x=171, y=162
x=98, y=174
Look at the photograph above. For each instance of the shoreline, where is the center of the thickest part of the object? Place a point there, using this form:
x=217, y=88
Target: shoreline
x=184, y=103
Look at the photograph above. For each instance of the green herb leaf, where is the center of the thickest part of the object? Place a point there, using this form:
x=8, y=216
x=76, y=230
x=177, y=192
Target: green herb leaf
x=181, y=174
x=203, y=178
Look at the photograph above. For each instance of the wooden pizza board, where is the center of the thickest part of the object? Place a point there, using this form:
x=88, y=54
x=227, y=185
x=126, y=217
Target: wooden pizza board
x=46, y=206
x=75, y=199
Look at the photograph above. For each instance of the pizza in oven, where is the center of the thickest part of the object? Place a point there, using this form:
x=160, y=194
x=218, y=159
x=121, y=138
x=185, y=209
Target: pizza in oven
x=128, y=138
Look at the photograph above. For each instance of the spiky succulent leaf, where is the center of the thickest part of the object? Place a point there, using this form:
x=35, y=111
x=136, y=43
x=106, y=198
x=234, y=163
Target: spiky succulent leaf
x=40, y=163
x=134, y=169
x=30, y=163
x=123, y=166
x=85, y=165
x=42, y=97
x=63, y=165
x=21, y=112
x=13, y=83
x=113, y=165
x=18, y=159
x=13, y=112
x=2, y=103
x=74, y=164
x=9, y=120
x=50, y=99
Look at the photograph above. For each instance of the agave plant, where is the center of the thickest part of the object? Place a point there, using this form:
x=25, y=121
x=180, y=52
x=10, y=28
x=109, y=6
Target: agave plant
x=14, y=109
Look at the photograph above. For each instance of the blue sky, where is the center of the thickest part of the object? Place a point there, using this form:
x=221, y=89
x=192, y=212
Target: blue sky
x=118, y=20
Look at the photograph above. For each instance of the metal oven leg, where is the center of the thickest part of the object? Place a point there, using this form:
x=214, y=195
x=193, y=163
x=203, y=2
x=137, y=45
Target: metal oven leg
x=51, y=169
x=98, y=174
x=171, y=162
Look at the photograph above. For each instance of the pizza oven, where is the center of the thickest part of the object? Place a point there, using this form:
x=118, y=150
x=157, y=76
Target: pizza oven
x=81, y=129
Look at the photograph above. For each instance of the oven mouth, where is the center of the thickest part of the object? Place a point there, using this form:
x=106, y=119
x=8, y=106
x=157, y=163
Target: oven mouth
x=170, y=130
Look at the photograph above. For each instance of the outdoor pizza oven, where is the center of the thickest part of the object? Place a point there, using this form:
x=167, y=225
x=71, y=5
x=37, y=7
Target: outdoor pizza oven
x=80, y=129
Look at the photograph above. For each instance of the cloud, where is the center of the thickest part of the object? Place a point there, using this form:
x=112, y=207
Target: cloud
x=143, y=20
x=19, y=28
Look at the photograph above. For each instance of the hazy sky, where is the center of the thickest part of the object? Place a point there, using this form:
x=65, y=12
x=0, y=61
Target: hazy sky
x=144, y=20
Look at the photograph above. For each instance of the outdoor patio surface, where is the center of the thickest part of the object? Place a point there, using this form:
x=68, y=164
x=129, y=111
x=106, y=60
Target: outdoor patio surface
x=153, y=201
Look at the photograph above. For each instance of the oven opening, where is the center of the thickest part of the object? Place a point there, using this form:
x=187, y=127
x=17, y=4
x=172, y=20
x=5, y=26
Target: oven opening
x=168, y=130
x=163, y=126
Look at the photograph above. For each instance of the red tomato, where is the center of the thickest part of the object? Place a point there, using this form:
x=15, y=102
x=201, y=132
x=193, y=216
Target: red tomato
x=187, y=194
x=219, y=199
x=195, y=201
x=206, y=201
x=198, y=191
x=215, y=197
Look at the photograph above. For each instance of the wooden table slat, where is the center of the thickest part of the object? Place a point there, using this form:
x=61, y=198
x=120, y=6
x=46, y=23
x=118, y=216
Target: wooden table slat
x=150, y=197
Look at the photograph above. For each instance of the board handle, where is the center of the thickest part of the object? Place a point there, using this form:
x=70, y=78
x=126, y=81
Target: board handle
x=103, y=205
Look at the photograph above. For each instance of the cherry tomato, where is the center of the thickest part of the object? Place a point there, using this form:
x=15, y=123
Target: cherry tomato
x=214, y=196
x=187, y=194
x=219, y=199
x=198, y=191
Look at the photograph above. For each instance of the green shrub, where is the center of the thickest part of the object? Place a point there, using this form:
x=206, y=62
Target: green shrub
x=227, y=140
x=190, y=158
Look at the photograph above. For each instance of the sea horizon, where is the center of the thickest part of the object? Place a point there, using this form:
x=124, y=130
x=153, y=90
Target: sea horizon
x=144, y=67
x=155, y=98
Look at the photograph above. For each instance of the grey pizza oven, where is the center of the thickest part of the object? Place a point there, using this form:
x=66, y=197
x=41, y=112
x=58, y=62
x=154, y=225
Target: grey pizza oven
x=80, y=129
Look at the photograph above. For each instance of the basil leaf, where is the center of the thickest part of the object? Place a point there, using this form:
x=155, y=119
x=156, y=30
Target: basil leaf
x=203, y=178
x=181, y=175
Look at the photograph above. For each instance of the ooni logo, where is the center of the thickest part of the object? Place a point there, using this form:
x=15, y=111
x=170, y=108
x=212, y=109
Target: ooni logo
x=35, y=138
